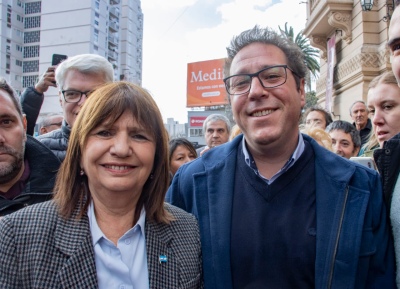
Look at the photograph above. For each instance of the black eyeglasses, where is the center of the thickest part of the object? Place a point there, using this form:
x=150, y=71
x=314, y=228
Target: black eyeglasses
x=73, y=96
x=269, y=77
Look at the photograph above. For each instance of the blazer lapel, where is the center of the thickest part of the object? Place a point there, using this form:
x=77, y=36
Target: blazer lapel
x=214, y=211
x=162, y=274
x=73, y=239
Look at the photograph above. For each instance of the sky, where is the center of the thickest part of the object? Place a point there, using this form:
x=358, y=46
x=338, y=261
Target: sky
x=178, y=32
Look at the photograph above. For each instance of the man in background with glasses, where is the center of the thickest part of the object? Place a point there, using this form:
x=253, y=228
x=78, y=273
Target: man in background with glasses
x=50, y=122
x=76, y=78
x=276, y=209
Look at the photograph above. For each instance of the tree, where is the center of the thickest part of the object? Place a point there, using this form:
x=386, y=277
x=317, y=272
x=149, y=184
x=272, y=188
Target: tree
x=311, y=54
x=311, y=99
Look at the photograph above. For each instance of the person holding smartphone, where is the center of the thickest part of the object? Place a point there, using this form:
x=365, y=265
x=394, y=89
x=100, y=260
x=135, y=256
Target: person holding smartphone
x=33, y=96
x=77, y=77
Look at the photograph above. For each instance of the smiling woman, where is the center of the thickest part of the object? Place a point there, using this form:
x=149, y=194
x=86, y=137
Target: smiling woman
x=108, y=217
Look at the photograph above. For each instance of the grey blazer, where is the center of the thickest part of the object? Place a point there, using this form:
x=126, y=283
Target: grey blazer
x=39, y=249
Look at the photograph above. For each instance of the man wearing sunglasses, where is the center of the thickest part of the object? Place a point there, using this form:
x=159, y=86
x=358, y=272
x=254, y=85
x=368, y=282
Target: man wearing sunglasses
x=276, y=209
x=76, y=78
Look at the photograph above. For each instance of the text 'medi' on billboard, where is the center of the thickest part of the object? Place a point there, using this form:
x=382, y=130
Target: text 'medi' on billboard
x=205, y=85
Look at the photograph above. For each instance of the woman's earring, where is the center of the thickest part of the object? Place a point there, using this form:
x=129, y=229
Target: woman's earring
x=81, y=172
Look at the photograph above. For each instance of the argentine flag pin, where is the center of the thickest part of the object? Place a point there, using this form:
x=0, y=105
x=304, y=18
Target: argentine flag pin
x=163, y=259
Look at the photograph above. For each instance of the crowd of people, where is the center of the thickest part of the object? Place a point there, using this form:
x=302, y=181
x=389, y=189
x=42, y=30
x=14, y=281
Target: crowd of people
x=103, y=198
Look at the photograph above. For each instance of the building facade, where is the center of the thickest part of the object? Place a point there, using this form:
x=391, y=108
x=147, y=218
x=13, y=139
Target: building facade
x=175, y=129
x=31, y=31
x=360, y=48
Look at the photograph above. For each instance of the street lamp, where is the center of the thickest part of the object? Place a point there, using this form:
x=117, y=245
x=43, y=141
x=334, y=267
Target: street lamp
x=366, y=5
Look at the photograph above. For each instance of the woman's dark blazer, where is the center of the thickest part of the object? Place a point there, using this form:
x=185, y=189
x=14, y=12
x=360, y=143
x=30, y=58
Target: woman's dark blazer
x=40, y=249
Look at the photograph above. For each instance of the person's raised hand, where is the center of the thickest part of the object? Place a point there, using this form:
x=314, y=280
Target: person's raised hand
x=47, y=79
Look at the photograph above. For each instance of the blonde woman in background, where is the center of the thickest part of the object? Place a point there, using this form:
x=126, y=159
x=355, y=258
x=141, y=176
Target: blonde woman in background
x=384, y=108
x=235, y=131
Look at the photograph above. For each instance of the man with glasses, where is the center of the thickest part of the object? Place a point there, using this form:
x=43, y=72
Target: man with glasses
x=50, y=122
x=76, y=78
x=276, y=209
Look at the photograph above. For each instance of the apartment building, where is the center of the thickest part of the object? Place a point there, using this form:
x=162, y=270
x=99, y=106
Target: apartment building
x=31, y=31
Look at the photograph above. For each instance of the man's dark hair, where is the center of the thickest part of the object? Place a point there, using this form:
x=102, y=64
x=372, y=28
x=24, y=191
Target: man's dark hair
x=348, y=128
x=327, y=115
x=7, y=88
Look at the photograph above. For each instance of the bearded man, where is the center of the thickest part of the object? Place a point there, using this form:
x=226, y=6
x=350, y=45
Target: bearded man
x=27, y=167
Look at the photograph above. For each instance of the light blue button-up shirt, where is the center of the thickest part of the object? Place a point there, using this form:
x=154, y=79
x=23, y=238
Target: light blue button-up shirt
x=295, y=156
x=123, y=266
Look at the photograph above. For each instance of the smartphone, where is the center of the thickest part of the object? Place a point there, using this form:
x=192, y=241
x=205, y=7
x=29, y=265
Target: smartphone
x=57, y=58
x=365, y=161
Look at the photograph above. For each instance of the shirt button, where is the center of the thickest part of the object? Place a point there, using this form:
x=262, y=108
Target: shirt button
x=122, y=287
x=127, y=241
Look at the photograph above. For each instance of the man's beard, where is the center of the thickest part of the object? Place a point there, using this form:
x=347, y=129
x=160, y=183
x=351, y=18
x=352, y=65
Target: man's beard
x=9, y=171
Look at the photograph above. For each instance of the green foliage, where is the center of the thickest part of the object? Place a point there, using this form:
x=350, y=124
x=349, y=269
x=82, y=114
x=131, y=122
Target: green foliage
x=311, y=54
x=311, y=99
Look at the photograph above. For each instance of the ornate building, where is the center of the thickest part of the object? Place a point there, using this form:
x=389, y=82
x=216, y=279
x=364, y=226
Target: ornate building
x=361, y=52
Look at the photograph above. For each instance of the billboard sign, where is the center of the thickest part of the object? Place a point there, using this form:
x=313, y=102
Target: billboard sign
x=205, y=86
x=197, y=120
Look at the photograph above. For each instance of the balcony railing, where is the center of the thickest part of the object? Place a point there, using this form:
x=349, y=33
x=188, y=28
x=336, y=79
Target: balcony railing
x=113, y=39
x=114, y=26
x=112, y=54
x=114, y=11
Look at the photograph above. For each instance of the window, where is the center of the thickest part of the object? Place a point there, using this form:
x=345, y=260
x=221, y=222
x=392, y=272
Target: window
x=33, y=7
x=32, y=36
x=195, y=132
x=97, y=4
x=20, y=18
x=96, y=22
x=32, y=22
x=96, y=35
x=19, y=33
x=31, y=51
x=30, y=66
x=19, y=48
x=9, y=16
x=8, y=61
x=18, y=62
x=29, y=80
